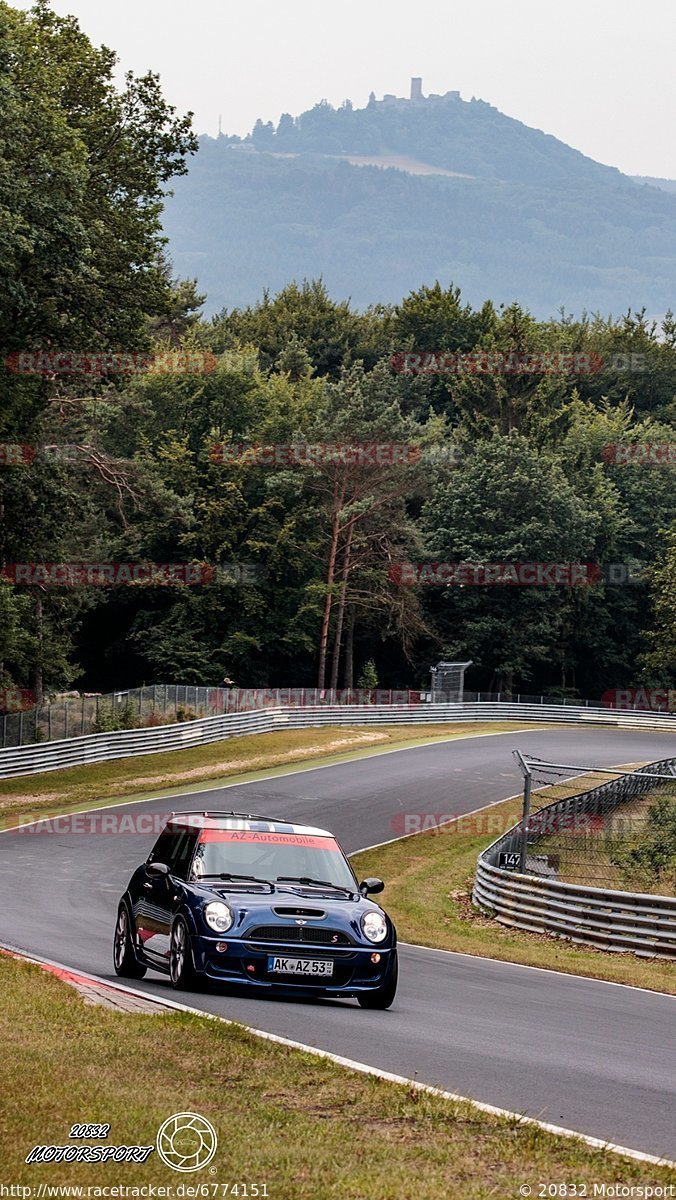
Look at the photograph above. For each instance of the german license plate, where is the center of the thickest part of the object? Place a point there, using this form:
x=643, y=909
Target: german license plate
x=299, y=966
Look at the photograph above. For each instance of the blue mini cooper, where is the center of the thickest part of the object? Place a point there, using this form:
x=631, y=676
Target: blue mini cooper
x=265, y=904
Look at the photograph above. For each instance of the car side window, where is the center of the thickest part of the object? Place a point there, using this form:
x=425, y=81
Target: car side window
x=163, y=849
x=182, y=853
x=175, y=848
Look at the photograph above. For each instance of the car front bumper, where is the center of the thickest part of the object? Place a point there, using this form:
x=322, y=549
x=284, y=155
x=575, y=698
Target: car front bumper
x=247, y=964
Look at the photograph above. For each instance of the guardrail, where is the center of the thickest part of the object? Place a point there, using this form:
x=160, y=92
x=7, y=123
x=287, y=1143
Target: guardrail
x=128, y=743
x=638, y=922
x=611, y=920
x=102, y=747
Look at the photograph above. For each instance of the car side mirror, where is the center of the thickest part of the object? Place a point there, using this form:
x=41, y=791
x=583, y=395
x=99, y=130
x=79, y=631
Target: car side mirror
x=370, y=886
x=157, y=869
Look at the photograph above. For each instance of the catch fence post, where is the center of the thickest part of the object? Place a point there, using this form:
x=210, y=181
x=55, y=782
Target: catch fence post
x=527, y=787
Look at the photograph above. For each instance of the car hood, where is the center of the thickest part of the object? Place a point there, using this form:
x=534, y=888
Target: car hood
x=288, y=906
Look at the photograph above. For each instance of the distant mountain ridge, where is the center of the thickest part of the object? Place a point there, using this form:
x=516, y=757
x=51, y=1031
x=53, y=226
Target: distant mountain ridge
x=469, y=137
x=512, y=212
x=665, y=185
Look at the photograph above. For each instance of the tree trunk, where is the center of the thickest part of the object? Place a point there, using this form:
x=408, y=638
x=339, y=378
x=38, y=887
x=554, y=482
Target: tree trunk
x=37, y=672
x=507, y=683
x=349, y=649
x=336, y=505
x=347, y=559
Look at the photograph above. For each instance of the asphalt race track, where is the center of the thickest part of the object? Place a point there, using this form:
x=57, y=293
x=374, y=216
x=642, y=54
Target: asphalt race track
x=574, y=1052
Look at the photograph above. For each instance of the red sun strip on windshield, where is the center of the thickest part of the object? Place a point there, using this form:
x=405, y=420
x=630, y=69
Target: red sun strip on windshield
x=277, y=839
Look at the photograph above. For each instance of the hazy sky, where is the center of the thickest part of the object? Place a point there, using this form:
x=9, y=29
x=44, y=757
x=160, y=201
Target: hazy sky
x=599, y=74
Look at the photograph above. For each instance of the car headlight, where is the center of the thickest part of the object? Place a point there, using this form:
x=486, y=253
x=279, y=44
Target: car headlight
x=374, y=926
x=218, y=916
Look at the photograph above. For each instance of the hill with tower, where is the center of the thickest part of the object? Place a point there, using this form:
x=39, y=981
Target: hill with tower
x=381, y=199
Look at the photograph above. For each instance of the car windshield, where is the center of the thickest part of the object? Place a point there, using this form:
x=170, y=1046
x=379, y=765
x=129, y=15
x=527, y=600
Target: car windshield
x=271, y=856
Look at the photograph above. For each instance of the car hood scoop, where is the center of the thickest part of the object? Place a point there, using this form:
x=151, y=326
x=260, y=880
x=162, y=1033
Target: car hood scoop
x=295, y=911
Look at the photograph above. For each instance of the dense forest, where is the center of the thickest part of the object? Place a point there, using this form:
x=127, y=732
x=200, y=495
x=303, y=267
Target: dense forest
x=147, y=435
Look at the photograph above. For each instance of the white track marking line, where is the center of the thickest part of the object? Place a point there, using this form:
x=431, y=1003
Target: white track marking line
x=364, y=1068
x=508, y=962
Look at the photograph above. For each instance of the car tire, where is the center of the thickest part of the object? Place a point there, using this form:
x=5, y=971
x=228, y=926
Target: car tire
x=181, y=968
x=383, y=996
x=125, y=961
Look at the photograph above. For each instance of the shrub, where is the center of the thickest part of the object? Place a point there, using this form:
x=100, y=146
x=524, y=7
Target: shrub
x=369, y=675
x=112, y=717
x=652, y=857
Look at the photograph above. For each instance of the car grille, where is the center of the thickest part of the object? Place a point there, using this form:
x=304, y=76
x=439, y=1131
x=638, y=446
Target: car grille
x=299, y=933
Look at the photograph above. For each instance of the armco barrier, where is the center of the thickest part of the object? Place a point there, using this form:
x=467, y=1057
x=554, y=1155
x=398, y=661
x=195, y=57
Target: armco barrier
x=611, y=920
x=127, y=743
x=102, y=747
x=638, y=922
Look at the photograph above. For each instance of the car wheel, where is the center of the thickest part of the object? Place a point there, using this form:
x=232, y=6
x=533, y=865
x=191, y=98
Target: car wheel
x=124, y=957
x=181, y=968
x=383, y=996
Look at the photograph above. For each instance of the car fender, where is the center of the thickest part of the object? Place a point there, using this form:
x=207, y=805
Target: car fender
x=125, y=899
x=185, y=911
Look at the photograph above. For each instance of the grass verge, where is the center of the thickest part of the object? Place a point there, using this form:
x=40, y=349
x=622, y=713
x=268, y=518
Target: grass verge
x=232, y=761
x=428, y=895
x=307, y=1128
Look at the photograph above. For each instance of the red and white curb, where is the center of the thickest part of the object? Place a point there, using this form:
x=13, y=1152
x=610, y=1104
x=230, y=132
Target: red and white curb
x=92, y=990
x=149, y=1004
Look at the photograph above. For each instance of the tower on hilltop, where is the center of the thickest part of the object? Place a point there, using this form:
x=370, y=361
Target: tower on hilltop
x=416, y=88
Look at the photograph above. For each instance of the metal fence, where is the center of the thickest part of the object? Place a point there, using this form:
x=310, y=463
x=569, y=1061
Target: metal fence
x=99, y=747
x=75, y=715
x=157, y=704
x=594, y=865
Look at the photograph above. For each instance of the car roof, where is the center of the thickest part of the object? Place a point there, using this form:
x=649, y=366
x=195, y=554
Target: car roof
x=207, y=819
